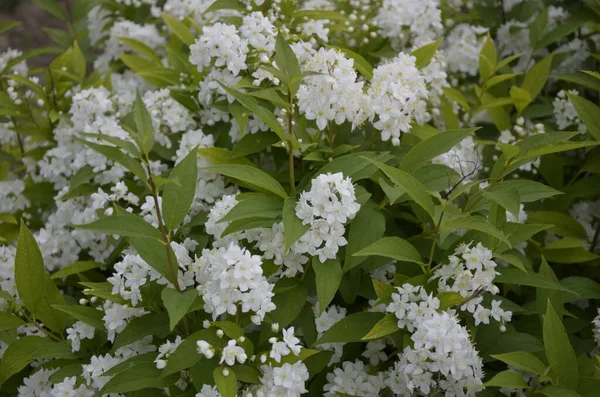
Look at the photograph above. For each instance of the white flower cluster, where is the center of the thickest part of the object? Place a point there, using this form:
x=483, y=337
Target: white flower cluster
x=442, y=359
x=11, y=196
x=354, y=380
x=168, y=115
x=288, y=380
x=230, y=280
x=405, y=20
x=462, y=48
x=564, y=112
x=147, y=34
x=333, y=94
x=329, y=204
x=471, y=272
x=117, y=316
x=397, y=97
x=78, y=331
x=7, y=273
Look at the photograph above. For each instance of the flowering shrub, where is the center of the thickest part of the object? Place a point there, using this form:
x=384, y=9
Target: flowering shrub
x=334, y=198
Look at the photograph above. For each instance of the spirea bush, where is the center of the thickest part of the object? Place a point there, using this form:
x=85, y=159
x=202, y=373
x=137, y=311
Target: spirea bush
x=280, y=198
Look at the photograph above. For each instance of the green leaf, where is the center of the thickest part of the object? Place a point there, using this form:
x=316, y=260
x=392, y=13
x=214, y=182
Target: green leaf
x=155, y=324
x=352, y=328
x=179, y=29
x=585, y=287
x=508, y=379
x=156, y=254
x=124, y=225
x=589, y=114
x=177, y=197
x=563, y=223
x=36, y=290
x=288, y=64
x=524, y=361
x=130, y=362
x=141, y=48
x=143, y=123
x=225, y=5
x=449, y=299
x=559, y=351
x=579, y=78
x=476, y=222
x=251, y=176
x=425, y=53
x=423, y=152
x=253, y=143
x=293, y=228
x=255, y=206
x=515, y=276
x=487, y=59
x=185, y=355
x=520, y=97
x=76, y=268
x=230, y=328
x=509, y=199
x=536, y=78
x=457, y=97
x=53, y=7
x=141, y=376
x=263, y=113
x=328, y=277
x=386, y=326
x=570, y=255
x=562, y=30
x=557, y=391
x=529, y=191
x=543, y=295
x=500, y=78
x=114, y=154
x=9, y=321
x=5, y=26
x=226, y=384
x=412, y=186
x=367, y=227
x=26, y=349
x=177, y=303
x=248, y=374
x=288, y=305
x=88, y=315
x=393, y=247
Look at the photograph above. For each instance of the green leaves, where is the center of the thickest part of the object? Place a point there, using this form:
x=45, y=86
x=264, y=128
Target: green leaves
x=178, y=29
x=293, y=228
x=412, y=186
x=287, y=64
x=425, y=53
x=143, y=122
x=386, y=326
x=251, y=176
x=328, y=278
x=487, y=59
x=523, y=361
x=86, y=314
x=177, y=303
x=352, y=328
x=178, y=195
x=394, y=248
x=265, y=115
x=423, y=152
x=509, y=379
x=367, y=226
x=36, y=290
x=559, y=351
x=141, y=376
x=226, y=381
x=589, y=114
x=536, y=78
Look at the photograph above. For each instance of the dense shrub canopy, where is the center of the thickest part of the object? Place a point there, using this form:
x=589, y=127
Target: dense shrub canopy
x=276, y=198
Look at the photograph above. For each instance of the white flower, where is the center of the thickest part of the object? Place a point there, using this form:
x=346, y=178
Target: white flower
x=206, y=349
x=232, y=352
x=77, y=332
